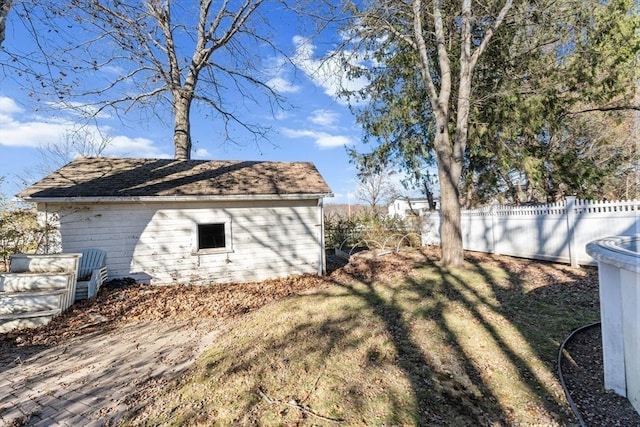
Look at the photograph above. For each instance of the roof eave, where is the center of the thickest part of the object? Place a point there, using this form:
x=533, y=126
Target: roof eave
x=160, y=199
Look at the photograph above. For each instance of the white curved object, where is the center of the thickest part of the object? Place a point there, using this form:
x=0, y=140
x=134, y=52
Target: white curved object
x=619, y=283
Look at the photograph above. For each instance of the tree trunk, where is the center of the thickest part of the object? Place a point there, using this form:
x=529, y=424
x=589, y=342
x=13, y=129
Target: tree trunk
x=182, y=127
x=5, y=5
x=452, y=156
x=426, y=187
x=449, y=176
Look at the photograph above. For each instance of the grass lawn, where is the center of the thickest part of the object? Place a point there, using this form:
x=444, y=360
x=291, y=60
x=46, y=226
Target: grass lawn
x=395, y=340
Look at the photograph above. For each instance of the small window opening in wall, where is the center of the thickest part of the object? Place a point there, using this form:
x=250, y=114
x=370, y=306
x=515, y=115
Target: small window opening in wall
x=211, y=236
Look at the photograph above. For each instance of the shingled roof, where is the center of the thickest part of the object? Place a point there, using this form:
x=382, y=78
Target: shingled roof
x=105, y=177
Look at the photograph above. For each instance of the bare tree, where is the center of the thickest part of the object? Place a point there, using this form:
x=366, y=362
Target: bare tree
x=82, y=141
x=375, y=187
x=92, y=55
x=450, y=154
x=444, y=40
x=86, y=142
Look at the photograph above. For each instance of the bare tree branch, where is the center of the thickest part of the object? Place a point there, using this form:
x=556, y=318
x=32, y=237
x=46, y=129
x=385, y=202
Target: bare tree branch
x=604, y=109
x=490, y=31
x=130, y=54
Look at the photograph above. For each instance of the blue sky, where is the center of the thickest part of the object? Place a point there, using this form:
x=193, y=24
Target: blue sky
x=316, y=128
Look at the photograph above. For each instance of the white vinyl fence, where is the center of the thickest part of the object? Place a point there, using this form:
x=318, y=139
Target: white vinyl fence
x=555, y=232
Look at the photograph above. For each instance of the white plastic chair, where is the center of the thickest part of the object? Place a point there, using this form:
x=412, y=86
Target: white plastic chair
x=92, y=273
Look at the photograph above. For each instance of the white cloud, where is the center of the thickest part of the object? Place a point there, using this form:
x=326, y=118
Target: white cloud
x=109, y=69
x=8, y=106
x=278, y=68
x=31, y=131
x=134, y=147
x=14, y=133
x=321, y=139
x=324, y=117
x=328, y=72
x=283, y=86
x=282, y=115
x=201, y=153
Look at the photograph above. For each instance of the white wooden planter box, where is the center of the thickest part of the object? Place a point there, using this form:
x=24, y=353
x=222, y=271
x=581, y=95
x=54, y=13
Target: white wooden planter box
x=37, y=288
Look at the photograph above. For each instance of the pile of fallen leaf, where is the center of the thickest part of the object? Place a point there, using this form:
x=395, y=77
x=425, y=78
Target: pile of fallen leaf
x=366, y=267
x=123, y=301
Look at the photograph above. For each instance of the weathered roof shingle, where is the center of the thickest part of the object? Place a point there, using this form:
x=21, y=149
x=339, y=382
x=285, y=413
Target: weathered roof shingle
x=124, y=177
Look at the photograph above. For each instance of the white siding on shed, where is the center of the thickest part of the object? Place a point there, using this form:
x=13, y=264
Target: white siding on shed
x=155, y=242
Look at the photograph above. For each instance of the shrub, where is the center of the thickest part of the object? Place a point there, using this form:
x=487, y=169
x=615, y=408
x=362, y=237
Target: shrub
x=20, y=231
x=376, y=231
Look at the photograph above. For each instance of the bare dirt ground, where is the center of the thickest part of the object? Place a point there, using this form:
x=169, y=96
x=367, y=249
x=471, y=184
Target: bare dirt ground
x=123, y=304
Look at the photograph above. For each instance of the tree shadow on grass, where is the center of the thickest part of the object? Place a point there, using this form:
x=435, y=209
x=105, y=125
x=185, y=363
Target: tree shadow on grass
x=544, y=300
x=502, y=336
x=442, y=395
x=398, y=340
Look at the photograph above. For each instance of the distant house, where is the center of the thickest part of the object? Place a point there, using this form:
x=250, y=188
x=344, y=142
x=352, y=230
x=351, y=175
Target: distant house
x=189, y=221
x=404, y=206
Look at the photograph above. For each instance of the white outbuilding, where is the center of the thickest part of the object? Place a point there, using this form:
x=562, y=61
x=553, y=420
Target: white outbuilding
x=402, y=207
x=166, y=221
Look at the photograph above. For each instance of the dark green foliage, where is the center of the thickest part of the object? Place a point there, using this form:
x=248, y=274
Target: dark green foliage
x=551, y=111
x=545, y=123
x=398, y=116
